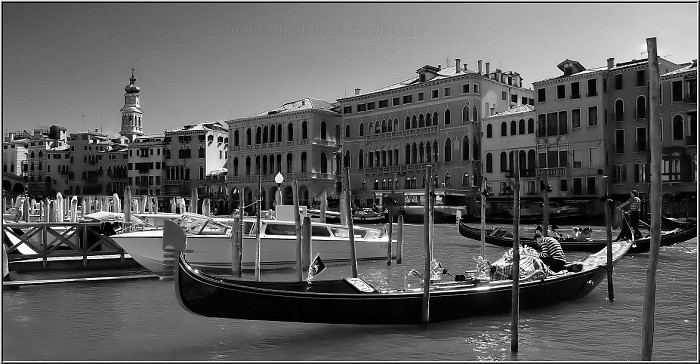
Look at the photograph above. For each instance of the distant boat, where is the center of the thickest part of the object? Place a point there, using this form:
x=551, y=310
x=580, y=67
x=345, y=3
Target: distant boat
x=367, y=215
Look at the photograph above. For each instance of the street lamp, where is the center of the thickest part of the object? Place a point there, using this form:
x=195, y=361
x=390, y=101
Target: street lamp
x=279, y=179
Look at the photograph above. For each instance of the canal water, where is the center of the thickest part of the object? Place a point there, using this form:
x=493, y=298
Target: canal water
x=140, y=320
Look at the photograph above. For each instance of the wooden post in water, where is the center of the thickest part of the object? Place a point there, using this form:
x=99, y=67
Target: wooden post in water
x=515, y=303
x=239, y=227
x=306, y=243
x=236, y=244
x=297, y=228
x=483, y=215
x=608, y=235
x=545, y=206
x=431, y=212
x=351, y=226
x=258, y=205
x=399, y=240
x=655, y=196
x=391, y=217
x=127, y=205
x=425, y=317
x=324, y=203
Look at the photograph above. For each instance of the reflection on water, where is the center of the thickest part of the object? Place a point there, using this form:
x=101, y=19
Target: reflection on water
x=141, y=320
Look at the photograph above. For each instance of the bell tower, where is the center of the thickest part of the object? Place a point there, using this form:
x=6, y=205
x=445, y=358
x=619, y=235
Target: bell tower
x=131, y=112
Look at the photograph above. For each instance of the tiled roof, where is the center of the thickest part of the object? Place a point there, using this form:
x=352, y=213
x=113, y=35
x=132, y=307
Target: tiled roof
x=303, y=104
x=693, y=66
x=446, y=72
x=204, y=126
x=514, y=111
x=591, y=70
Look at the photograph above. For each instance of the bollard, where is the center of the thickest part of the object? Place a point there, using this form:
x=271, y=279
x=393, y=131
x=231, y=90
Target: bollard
x=399, y=241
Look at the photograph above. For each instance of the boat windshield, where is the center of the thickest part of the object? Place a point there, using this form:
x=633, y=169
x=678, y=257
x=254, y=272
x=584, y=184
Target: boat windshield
x=342, y=232
x=200, y=224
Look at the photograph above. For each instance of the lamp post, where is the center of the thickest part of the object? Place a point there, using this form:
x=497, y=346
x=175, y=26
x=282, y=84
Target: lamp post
x=279, y=179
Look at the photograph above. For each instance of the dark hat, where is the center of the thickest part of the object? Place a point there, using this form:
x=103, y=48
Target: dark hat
x=538, y=234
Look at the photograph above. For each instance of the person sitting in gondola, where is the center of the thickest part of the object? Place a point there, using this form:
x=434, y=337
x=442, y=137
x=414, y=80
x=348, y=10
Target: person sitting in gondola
x=551, y=252
x=583, y=234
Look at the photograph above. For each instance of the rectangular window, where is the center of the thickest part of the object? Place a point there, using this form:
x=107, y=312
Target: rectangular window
x=448, y=91
x=420, y=96
x=592, y=87
x=576, y=118
x=514, y=98
x=618, y=82
x=370, y=106
x=590, y=185
x=476, y=88
x=395, y=101
x=677, y=91
x=407, y=99
x=435, y=94
x=465, y=88
x=523, y=100
x=578, y=188
x=620, y=174
x=542, y=160
x=641, y=139
x=564, y=185
x=552, y=124
x=541, y=125
x=575, y=91
x=562, y=158
x=383, y=103
x=347, y=110
x=640, y=173
x=541, y=96
x=563, y=123
x=531, y=101
x=593, y=157
x=504, y=95
x=361, y=107
x=593, y=116
x=605, y=85
x=561, y=91
x=576, y=157
x=619, y=141
x=552, y=158
x=641, y=78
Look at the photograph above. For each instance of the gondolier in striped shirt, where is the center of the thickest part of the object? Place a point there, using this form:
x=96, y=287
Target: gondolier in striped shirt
x=635, y=207
x=551, y=254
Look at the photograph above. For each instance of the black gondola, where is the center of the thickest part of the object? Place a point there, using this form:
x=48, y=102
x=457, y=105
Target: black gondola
x=641, y=245
x=354, y=301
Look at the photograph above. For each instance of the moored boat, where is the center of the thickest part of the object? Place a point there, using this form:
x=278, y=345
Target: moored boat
x=355, y=301
x=668, y=237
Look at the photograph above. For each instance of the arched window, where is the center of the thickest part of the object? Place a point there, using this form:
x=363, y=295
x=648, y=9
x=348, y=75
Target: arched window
x=641, y=107
x=522, y=161
x=530, y=125
x=371, y=127
x=235, y=166
x=465, y=114
x=272, y=134
x=31, y=155
x=407, y=123
x=489, y=163
x=362, y=129
x=265, y=134
x=504, y=162
x=475, y=114
x=619, y=110
x=376, y=184
x=289, y=163
x=421, y=121
x=436, y=120
x=513, y=128
x=435, y=151
x=337, y=133
x=521, y=126
x=370, y=158
x=305, y=130
x=421, y=153
x=360, y=159
x=429, y=151
x=678, y=127
x=247, y=166
x=414, y=122
x=389, y=126
x=324, y=163
x=303, y=162
x=428, y=120
x=407, y=155
x=290, y=132
x=264, y=164
x=510, y=161
x=258, y=136
x=447, y=180
x=489, y=131
x=377, y=127
x=249, y=138
x=414, y=153
x=323, y=130
x=396, y=124
x=347, y=131
x=235, y=138
x=448, y=118
x=279, y=133
x=504, y=129
x=383, y=126
x=531, y=160
x=465, y=148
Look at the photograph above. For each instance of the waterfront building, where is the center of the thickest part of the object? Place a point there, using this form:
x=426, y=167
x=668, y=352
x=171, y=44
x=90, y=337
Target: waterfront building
x=86, y=163
x=184, y=170
x=40, y=182
x=506, y=135
x=432, y=118
x=15, y=170
x=299, y=139
x=146, y=162
x=679, y=136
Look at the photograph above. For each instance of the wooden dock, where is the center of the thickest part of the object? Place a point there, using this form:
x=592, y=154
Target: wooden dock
x=32, y=282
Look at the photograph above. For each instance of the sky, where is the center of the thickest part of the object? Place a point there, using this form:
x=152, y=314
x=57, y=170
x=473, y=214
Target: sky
x=68, y=63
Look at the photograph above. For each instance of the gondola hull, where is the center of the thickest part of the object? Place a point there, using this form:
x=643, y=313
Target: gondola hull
x=640, y=245
x=353, y=301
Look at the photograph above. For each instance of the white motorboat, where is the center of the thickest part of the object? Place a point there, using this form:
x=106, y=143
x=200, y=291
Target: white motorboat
x=209, y=243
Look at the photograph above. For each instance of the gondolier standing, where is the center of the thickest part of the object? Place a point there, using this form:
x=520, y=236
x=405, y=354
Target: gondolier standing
x=635, y=205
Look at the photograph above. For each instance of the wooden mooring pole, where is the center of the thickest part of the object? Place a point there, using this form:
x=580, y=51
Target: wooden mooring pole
x=608, y=235
x=258, y=248
x=515, y=303
x=306, y=243
x=297, y=228
x=351, y=226
x=391, y=218
x=236, y=247
x=425, y=318
x=655, y=197
x=399, y=240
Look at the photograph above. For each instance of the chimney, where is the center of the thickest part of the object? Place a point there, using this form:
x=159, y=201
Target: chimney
x=457, y=65
x=611, y=62
x=479, y=66
x=499, y=75
x=439, y=67
x=465, y=67
x=357, y=91
x=488, y=67
x=516, y=79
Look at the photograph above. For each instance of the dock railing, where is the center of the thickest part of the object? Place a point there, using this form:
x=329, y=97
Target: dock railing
x=57, y=239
